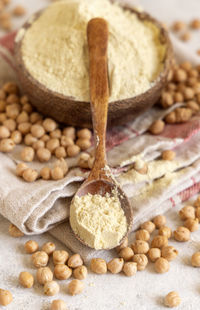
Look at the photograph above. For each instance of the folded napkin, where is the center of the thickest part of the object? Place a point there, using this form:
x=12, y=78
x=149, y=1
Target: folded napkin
x=41, y=206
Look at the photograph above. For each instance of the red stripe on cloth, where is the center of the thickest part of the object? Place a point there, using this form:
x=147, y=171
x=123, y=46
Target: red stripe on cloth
x=193, y=180
x=173, y=202
x=189, y=192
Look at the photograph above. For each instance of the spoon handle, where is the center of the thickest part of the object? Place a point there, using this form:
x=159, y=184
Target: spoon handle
x=97, y=33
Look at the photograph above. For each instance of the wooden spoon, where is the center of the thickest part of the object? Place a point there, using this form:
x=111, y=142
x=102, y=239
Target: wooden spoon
x=100, y=180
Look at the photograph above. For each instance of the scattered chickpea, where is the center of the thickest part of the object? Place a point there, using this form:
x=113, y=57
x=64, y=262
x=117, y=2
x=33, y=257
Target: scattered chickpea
x=182, y=234
x=159, y=241
x=197, y=213
x=43, y=154
x=142, y=234
x=39, y=144
x=141, y=260
x=2, y=105
x=75, y=287
x=62, y=272
x=197, y=202
x=159, y=221
x=115, y=265
x=195, y=24
x=34, y=117
x=154, y=254
x=84, y=144
x=19, y=10
x=4, y=132
x=73, y=150
x=66, y=141
x=83, y=160
x=195, y=260
x=56, y=134
x=44, y=274
x=22, y=117
x=140, y=166
x=186, y=36
x=21, y=167
x=6, y=145
x=27, y=108
x=49, y=124
x=172, y=300
x=168, y=155
x=84, y=134
x=52, y=144
x=45, y=173
x=45, y=138
x=124, y=244
x=149, y=226
x=178, y=25
x=26, y=279
x=187, y=212
x=57, y=173
x=126, y=253
x=30, y=175
x=157, y=127
x=58, y=304
x=27, y=154
x=69, y=132
x=10, y=124
x=5, y=297
x=40, y=259
x=192, y=224
x=29, y=139
x=16, y=136
x=162, y=265
x=130, y=269
x=75, y=261
x=80, y=272
x=24, y=99
x=60, y=152
x=178, y=97
x=60, y=257
x=98, y=265
x=51, y=288
x=140, y=247
x=15, y=232
x=11, y=88
x=37, y=131
x=31, y=246
x=13, y=110
x=165, y=231
x=169, y=252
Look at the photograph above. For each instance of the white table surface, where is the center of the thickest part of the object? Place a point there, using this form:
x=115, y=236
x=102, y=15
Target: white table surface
x=146, y=290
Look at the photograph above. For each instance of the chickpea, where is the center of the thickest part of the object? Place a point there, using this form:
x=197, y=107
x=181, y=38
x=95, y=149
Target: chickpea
x=15, y=232
x=178, y=97
x=84, y=144
x=29, y=139
x=186, y=65
x=51, y=288
x=13, y=110
x=197, y=213
x=60, y=257
x=61, y=163
x=60, y=152
x=141, y=260
x=30, y=175
x=2, y=105
x=172, y=299
x=27, y=108
x=2, y=117
x=91, y=162
x=193, y=105
x=182, y=234
x=166, y=99
x=31, y=246
x=27, y=154
x=21, y=167
x=154, y=254
x=178, y=25
x=159, y=241
x=43, y=154
x=75, y=287
x=84, y=134
x=187, y=212
x=66, y=141
x=197, y=202
x=16, y=136
x=83, y=160
x=26, y=279
x=56, y=134
x=75, y=261
x=140, y=247
x=49, y=247
x=159, y=221
x=5, y=297
x=37, y=131
x=2, y=94
x=162, y=265
x=157, y=127
x=22, y=117
x=62, y=272
x=10, y=124
x=58, y=305
x=6, y=145
x=49, y=124
x=123, y=245
x=192, y=225
x=165, y=231
x=69, y=132
x=195, y=260
x=39, y=144
x=115, y=265
x=24, y=99
x=98, y=265
x=44, y=274
x=52, y=144
x=45, y=138
x=40, y=259
x=126, y=253
x=12, y=99
x=149, y=226
x=130, y=269
x=4, y=132
x=73, y=150
x=24, y=128
x=168, y=155
x=57, y=173
x=169, y=252
x=142, y=234
x=10, y=88
x=34, y=117
x=45, y=173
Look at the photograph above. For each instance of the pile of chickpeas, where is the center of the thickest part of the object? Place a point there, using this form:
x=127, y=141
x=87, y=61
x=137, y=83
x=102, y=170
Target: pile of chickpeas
x=129, y=259
x=43, y=137
x=183, y=87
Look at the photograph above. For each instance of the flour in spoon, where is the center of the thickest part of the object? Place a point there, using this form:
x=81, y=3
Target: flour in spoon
x=98, y=220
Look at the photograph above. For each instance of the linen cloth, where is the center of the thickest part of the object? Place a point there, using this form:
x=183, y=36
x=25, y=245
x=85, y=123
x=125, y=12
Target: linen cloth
x=40, y=206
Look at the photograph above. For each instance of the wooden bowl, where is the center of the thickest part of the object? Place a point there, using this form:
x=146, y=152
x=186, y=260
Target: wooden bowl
x=70, y=111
